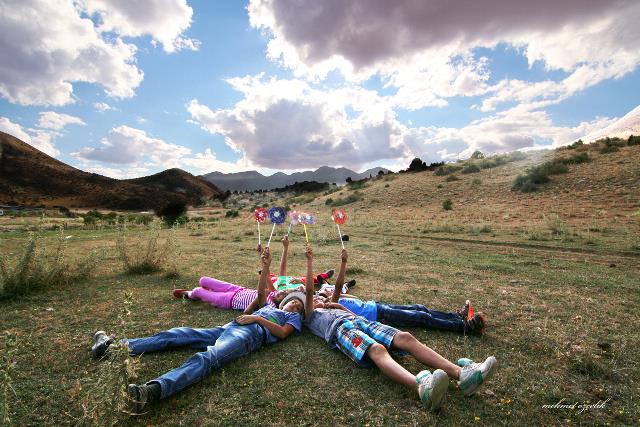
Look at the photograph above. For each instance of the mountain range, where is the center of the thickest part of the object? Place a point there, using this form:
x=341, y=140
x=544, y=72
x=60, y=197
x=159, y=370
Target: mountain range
x=252, y=180
x=30, y=177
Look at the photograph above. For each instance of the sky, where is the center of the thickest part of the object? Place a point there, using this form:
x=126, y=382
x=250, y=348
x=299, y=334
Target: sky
x=128, y=89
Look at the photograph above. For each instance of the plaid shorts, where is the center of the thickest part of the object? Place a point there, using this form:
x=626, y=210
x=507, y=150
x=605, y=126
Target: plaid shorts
x=354, y=337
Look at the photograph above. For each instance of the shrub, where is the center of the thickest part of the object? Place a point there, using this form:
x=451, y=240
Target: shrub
x=352, y=198
x=476, y=181
x=172, y=213
x=104, y=398
x=38, y=268
x=575, y=145
x=611, y=145
x=477, y=155
x=447, y=170
x=231, y=213
x=417, y=165
x=357, y=185
x=538, y=175
x=8, y=353
x=451, y=178
x=447, y=205
x=633, y=140
x=329, y=201
x=576, y=159
x=145, y=257
x=470, y=168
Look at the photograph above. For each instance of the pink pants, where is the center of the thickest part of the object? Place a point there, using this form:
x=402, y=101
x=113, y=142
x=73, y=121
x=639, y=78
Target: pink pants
x=215, y=292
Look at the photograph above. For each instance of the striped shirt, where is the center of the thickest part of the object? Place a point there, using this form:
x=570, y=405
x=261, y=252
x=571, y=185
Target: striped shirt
x=243, y=298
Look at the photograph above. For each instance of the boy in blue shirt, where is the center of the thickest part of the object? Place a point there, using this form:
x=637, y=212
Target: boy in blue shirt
x=367, y=342
x=220, y=345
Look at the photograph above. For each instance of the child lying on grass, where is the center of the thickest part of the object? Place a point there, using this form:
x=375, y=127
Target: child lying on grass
x=225, y=295
x=415, y=315
x=364, y=342
x=221, y=345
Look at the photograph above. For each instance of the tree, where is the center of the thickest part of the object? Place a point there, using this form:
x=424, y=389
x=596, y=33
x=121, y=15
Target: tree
x=477, y=155
x=172, y=212
x=349, y=180
x=417, y=165
x=380, y=172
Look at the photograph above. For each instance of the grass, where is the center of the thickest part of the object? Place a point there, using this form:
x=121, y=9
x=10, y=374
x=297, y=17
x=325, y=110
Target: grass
x=530, y=327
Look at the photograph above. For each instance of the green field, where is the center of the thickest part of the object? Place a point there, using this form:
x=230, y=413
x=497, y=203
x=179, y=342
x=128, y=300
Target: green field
x=563, y=325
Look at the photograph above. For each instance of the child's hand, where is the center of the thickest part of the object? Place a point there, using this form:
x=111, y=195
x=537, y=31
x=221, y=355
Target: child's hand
x=285, y=242
x=266, y=257
x=246, y=319
x=309, y=252
x=344, y=256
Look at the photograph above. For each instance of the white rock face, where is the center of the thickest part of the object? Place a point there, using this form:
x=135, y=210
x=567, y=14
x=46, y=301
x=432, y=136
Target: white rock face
x=627, y=125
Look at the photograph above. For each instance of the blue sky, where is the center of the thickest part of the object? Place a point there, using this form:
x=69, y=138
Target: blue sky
x=282, y=85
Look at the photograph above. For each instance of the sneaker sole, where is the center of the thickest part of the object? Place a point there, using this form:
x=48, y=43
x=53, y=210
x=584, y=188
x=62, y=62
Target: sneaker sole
x=134, y=396
x=491, y=361
x=439, y=390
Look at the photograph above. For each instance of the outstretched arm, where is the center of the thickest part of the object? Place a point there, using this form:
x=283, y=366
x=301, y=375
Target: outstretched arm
x=309, y=285
x=281, y=332
x=264, y=276
x=285, y=253
x=341, y=274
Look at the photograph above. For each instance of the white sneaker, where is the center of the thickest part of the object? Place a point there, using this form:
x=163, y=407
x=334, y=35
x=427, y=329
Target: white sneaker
x=474, y=374
x=432, y=388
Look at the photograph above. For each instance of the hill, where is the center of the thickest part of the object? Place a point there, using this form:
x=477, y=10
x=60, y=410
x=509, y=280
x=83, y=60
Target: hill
x=30, y=177
x=628, y=125
x=252, y=180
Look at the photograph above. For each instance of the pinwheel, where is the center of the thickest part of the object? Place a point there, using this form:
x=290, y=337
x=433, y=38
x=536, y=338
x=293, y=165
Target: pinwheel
x=277, y=215
x=260, y=215
x=307, y=219
x=339, y=217
x=294, y=219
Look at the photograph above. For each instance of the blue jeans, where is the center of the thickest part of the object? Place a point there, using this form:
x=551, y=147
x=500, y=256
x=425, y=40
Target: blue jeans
x=418, y=315
x=221, y=346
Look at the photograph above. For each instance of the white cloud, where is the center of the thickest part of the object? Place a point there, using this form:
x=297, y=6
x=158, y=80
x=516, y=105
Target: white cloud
x=164, y=20
x=41, y=140
x=141, y=120
x=286, y=124
x=130, y=146
x=57, y=121
x=102, y=107
x=416, y=46
x=51, y=46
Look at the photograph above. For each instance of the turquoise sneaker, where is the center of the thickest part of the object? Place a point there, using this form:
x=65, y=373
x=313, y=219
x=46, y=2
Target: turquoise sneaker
x=474, y=374
x=432, y=388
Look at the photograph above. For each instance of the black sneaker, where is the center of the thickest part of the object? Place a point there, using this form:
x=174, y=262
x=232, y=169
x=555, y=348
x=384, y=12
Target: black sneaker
x=143, y=394
x=329, y=273
x=101, y=343
x=476, y=325
x=351, y=283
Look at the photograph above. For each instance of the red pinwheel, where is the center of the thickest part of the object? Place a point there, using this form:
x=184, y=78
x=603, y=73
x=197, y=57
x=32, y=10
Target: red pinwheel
x=261, y=215
x=339, y=216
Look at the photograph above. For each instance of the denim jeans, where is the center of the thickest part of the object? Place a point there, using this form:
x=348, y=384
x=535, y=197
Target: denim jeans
x=418, y=315
x=221, y=346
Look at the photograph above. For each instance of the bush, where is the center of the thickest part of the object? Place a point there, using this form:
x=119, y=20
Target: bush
x=447, y=170
x=451, y=178
x=145, y=257
x=633, y=140
x=357, y=185
x=447, y=205
x=329, y=201
x=38, y=268
x=352, y=198
x=477, y=155
x=538, y=175
x=470, y=168
x=172, y=213
x=417, y=165
x=576, y=159
x=575, y=145
x=611, y=145
x=476, y=181
x=231, y=214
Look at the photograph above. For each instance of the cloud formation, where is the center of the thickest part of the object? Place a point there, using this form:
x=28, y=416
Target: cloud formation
x=39, y=139
x=286, y=124
x=425, y=49
x=164, y=20
x=57, y=121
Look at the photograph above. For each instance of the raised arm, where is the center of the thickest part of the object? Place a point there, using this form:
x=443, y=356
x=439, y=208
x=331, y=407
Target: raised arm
x=309, y=285
x=285, y=254
x=341, y=274
x=264, y=276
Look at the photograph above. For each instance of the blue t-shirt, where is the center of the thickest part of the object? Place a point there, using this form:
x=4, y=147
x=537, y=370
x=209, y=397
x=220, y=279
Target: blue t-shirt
x=280, y=317
x=366, y=309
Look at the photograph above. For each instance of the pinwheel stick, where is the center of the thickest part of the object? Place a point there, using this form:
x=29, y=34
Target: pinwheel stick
x=271, y=235
x=305, y=232
x=289, y=230
x=259, y=240
x=340, y=235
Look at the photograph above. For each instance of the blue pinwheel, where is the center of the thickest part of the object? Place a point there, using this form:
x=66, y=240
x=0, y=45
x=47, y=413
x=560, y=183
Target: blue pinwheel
x=277, y=215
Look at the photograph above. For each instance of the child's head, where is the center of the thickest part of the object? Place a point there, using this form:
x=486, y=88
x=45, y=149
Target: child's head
x=294, y=302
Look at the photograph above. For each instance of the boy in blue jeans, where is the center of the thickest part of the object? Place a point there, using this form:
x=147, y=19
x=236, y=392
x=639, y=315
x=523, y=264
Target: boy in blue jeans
x=367, y=342
x=220, y=345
